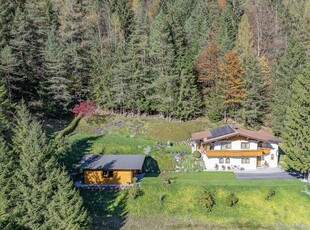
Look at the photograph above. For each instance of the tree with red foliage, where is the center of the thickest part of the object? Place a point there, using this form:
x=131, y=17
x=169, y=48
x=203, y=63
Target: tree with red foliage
x=85, y=108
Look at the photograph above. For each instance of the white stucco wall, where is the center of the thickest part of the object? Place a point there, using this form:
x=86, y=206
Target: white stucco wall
x=274, y=150
x=235, y=145
x=210, y=163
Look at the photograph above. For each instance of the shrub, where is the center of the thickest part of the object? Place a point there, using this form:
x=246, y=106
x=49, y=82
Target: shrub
x=271, y=192
x=232, y=199
x=166, y=178
x=135, y=191
x=223, y=167
x=242, y=169
x=228, y=168
x=207, y=200
x=216, y=166
x=161, y=197
x=196, y=154
x=85, y=108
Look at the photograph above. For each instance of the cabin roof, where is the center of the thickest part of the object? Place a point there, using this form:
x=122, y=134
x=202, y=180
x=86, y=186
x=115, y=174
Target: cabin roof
x=115, y=162
x=208, y=135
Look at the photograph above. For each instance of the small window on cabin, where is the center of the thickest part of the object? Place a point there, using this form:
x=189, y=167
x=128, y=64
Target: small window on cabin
x=227, y=161
x=107, y=174
x=272, y=156
x=245, y=145
x=221, y=160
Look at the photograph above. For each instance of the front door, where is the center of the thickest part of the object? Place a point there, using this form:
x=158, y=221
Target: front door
x=259, y=161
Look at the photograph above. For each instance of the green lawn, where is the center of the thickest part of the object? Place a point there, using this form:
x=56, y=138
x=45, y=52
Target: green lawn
x=289, y=208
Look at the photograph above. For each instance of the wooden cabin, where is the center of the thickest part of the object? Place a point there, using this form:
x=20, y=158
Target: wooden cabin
x=110, y=169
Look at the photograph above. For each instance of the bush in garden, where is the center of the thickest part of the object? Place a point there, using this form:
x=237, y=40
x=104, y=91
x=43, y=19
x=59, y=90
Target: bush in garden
x=271, y=193
x=232, y=199
x=196, y=154
x=135, y=191
x=161, y=197
x=166, y=178
x=207, y=200
x=85, y=108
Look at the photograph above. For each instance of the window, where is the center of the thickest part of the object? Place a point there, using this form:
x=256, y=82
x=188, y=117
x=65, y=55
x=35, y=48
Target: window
x=272, y=157
x=245, y=145
x=245, y=160
x=227, y=161
x=221, y=160
x=107, y=174
x=225, y=145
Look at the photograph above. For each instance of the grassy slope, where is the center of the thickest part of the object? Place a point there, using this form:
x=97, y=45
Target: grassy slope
x=180, y=209
x=287, y=209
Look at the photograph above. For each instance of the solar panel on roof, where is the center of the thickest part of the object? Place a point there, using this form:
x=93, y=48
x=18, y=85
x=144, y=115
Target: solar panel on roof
x=217, y=132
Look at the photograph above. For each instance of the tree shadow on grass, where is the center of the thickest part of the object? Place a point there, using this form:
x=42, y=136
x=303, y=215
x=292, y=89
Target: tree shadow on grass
x=106, y=207
x=150, y=167
x=76, y=151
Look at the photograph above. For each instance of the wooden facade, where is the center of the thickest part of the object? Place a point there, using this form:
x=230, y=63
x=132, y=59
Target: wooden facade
x=236, y=153
x=94, y=176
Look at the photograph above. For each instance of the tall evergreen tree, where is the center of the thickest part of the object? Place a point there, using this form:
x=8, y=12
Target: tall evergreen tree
x=7, y=9
x=296, y=136
x=10, y=72
x=291, y=64
x=6, y=180
x=66, y=210
x=4, y=106
x=255, y=103
x=55, y=87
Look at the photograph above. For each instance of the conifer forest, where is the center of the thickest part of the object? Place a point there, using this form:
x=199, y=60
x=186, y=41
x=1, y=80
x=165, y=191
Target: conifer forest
x=226, y=60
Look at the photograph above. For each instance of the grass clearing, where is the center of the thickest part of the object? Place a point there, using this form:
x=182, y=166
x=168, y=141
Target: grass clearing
x=286, y=210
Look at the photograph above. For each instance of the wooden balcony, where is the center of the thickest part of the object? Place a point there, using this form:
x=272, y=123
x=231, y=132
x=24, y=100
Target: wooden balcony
x=237, y=153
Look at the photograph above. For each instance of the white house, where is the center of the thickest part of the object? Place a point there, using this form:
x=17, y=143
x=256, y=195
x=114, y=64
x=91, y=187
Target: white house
x=226, y=148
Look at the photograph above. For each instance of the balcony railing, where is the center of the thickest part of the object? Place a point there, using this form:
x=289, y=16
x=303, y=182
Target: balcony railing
x=236, y=153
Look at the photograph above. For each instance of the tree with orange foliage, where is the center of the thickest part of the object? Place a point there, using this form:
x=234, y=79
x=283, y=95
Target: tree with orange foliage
x=207, y=66
x=232, y=82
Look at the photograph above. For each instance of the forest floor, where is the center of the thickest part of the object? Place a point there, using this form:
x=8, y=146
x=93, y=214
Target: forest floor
x=177, y=206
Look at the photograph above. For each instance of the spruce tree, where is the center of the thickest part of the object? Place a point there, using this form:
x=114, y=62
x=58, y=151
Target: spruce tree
x=296, y=135
x=7, y=167
x=9, y=71
x=7, y=9
x=66, y=210
x=4, y=106
x=35, y=178
x=291, y=64
x=255, y=103
x=55, y=87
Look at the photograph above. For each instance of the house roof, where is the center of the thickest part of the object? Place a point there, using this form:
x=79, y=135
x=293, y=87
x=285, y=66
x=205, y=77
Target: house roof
x=121, y=162
x=208, y=136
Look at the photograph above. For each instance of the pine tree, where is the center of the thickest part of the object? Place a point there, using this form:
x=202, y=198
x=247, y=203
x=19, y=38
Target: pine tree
x=4, y=106
x=255, y=103
x=66, y=210
x=55, y=87
x=296, y=136
x=291, y=64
